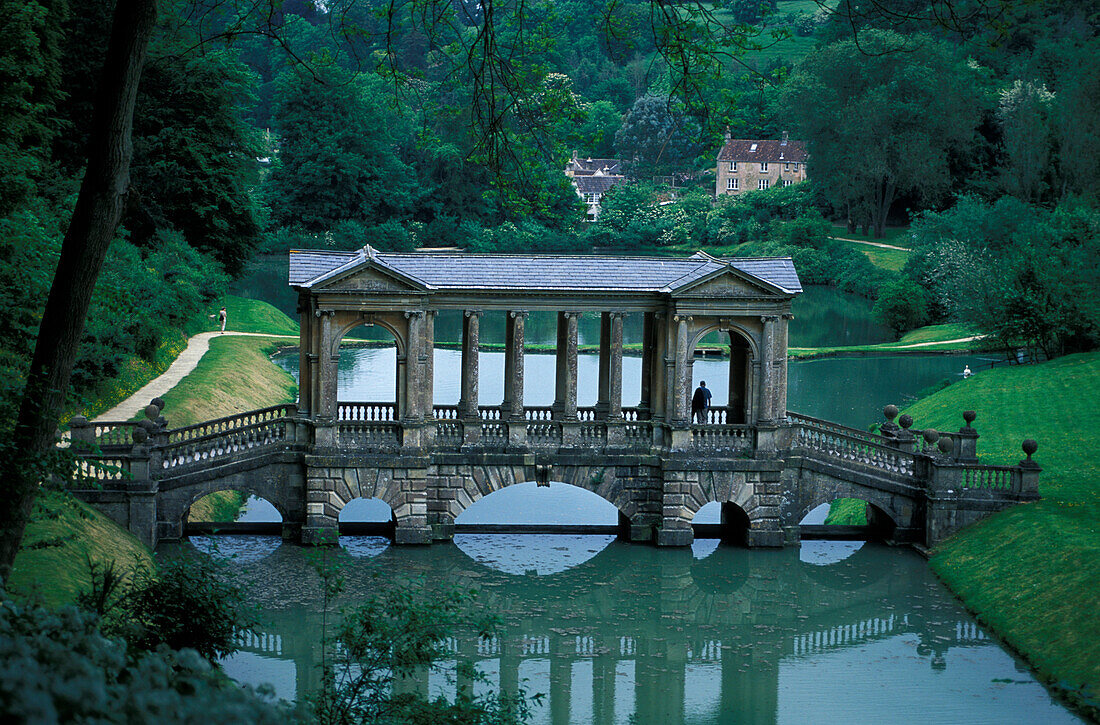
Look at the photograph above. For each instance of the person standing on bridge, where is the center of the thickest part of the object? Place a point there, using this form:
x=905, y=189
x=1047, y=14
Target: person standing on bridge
x=700, y=401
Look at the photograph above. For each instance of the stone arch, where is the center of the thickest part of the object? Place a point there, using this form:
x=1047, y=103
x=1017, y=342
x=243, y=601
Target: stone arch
x=883, y=518
x=384, y=484
x=749, y=337
x=367, y=320
x=472, y=483
x=175, y=505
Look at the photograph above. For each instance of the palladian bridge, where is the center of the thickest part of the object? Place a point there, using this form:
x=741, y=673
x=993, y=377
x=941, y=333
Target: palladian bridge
x=766, y=466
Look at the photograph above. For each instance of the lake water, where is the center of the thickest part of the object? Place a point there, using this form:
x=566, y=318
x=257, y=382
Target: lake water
x=609, y=632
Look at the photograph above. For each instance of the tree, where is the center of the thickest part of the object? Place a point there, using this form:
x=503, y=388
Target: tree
x=337, y=157
x=880, y=122
x=901, y=307
x=658, y=136
x=95, y=219
x=1024, y=113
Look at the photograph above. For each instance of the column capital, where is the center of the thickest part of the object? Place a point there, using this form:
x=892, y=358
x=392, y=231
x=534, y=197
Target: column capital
x=616, y=314
x=323, y=313
x=788, y=315
x=769, y=318
x=413, y=313
x=518, y=314
x=681, y=318
x=472, y=313
x=568, y=315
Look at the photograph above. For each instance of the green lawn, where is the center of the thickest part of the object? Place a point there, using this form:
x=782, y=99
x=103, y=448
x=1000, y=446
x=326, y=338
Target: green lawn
x=896, y=236
x=246, y=315
x=234, y=376
x=891, y=259
x=1033, y=573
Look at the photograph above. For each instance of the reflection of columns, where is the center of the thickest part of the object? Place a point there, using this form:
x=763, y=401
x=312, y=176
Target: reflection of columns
x=513, y=365
x=467, y=403
x=561, y=681
x=565, y=399
x=750, y=687
x=649, y=350
x=659, y=681
x=681, y=390
x=509, y=664
x=769, y=384
x=603, y=688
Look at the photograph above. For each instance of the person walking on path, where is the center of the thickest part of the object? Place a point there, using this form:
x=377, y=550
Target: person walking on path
x=221, y=318
x=700, y=401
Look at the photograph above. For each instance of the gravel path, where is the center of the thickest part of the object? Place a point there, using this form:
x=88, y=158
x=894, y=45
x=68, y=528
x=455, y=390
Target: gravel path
x=184, y=364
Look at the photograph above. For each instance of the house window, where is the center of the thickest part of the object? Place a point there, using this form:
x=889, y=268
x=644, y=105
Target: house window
x=762, y=184
x=796, y=166
x=763, y=165
x=731, y=185
x=787, y=182
x=733, y=166
x=786, y=167
x=591, y=198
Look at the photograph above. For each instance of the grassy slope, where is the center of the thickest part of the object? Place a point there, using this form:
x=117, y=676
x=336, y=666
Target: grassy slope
x=218, y=506
x=234, y=375
x=77, y=532
x=891, y=259
x=1033, y=573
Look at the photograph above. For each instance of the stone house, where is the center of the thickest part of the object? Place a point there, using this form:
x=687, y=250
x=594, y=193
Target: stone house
x=751, y=164
x=592, y=178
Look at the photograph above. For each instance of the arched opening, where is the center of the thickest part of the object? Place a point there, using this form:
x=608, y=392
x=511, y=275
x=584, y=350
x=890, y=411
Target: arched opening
x=725, y=522
x=549, y=528
x=847, y=518
x=234, y=510
x=368, y=374
x=730, y=380
x=366, y=527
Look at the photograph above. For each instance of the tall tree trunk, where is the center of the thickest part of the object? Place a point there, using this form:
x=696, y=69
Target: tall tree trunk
x=94, y=223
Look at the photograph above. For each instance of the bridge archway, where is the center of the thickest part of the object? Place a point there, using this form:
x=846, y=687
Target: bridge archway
x=175, y=506
x=732, y=521
x=386, y=358
x=852, y=511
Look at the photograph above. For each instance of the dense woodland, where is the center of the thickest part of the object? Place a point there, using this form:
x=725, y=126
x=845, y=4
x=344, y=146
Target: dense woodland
x=261, y=126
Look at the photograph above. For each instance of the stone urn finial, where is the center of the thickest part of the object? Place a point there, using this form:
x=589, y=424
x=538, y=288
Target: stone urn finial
x=969, y=416
x=891, y=412
x=946, y=445
x=139, y=434
x=1029, y=447
x=905, y=421
x=152, y=412
x=931, y=435
x=158, y=401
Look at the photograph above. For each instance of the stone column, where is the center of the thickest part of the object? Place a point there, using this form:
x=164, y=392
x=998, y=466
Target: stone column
x=566, y=373
x=681, y=390
x=427, y=365
x=305, y=356
x=603, y=384
x=615, y=369
x=513, y=378
x=410, y=393
x=649, y=351
x=325, y=371
x=770, y=382
x=467, y=403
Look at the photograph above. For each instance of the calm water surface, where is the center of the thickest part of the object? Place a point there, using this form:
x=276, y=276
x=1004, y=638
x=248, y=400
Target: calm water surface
x=616, y=633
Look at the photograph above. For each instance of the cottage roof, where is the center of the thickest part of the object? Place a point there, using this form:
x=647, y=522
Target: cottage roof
x=596, y=184
x=590, y=165
x=559, y=273
x=765, y=150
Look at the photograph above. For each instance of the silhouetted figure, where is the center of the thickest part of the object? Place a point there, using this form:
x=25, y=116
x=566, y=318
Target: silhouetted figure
x=700, y=401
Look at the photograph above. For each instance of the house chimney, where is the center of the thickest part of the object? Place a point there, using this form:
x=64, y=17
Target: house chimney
x=729, y=136
x=574, y=156
x=784, y=139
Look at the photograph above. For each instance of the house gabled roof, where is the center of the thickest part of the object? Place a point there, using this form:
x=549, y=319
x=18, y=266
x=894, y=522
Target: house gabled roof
x=596, y=184
x=582, y=167
x=764, y=150
x=551, y=273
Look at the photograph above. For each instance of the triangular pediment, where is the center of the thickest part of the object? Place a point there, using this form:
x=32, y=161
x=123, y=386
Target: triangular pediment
x=727, y=282
x=369, y=276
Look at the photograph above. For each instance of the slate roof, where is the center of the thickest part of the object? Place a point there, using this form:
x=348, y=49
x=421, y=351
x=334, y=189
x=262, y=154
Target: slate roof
x=456, y=271
x=767, y=150
x=596, y=184
x=581, y=167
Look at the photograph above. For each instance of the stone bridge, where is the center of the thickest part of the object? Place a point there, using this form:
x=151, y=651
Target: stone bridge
x=658, y=462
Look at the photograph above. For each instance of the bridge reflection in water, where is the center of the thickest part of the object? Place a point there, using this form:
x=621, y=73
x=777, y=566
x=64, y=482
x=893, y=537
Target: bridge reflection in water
x=736, y=636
